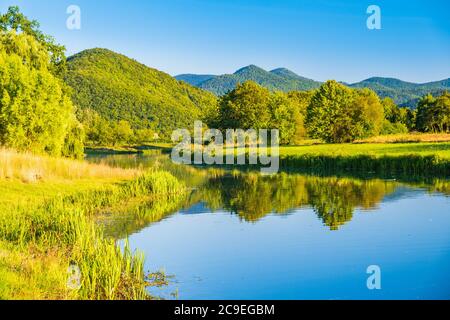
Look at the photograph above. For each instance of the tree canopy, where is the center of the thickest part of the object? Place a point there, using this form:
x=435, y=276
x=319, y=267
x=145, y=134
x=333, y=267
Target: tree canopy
x=14, y=20
x=338, y=114
x=433, y=114
x=251, y=106
x=36, y=114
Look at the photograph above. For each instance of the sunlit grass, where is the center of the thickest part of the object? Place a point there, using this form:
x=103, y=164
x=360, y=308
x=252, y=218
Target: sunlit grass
x=408, y=137
x=27, y=167
x=380, y=149
x=48, y=223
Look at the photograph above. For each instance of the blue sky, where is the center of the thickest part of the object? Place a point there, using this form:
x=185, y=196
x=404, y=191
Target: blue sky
x=319, y=39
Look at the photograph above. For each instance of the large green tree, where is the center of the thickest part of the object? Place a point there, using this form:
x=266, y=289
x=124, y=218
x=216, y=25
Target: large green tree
x=283, y=116
x=14, y=20
x=338, y=114
x=433, y=114
x=251, y=106
x=301, y=101
x=246, y=107
x=36, y=113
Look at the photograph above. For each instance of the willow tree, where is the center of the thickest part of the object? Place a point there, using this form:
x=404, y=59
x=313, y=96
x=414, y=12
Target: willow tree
x=36, y=113
x=14, y=20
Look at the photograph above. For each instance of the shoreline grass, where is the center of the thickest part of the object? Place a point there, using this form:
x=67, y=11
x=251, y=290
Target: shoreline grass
x=63, y=226
x=27, y=167
x=419, y=159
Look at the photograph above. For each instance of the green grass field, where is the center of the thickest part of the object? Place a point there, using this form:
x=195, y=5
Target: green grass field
x=406, y=160
x=441, y=149
x=48, y=214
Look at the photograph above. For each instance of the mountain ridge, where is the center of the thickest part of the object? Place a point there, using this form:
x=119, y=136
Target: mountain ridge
x=278, y=79
x=404, y=93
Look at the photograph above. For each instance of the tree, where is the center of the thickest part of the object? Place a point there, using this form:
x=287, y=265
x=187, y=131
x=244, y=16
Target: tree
x=144, y=135
x=301, y=101
x=246, y=107
x=433, y=114
x=282, y=116
x=369, y=114
x=397, y=120
x=14, y=20
x=123, y=132
x=391, y=110
x=339, y=114
x=36, y=114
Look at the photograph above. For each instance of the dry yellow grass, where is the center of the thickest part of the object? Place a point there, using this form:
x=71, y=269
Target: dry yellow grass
x=409, y=137
x=32, y=168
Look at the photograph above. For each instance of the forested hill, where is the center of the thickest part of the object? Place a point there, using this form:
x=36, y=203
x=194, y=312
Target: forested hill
x=278, y=79
x=402, y=92
x=120, y=88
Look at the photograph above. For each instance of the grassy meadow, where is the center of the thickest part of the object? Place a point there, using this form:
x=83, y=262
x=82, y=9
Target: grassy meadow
x=416, y=158
x=406, y=154
x=47, y=223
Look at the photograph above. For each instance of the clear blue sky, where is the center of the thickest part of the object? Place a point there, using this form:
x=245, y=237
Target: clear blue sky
x=320, y=39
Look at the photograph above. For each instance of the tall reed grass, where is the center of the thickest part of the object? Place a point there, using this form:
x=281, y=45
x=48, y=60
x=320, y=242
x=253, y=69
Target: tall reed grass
x=31, y=168
x=66, y=224
x=416, y=165
x=408, y=138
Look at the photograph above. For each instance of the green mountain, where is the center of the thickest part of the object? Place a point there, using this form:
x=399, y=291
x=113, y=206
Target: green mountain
x=403, y=93
x=120, y=88
x=194, y=79
x=278, y=79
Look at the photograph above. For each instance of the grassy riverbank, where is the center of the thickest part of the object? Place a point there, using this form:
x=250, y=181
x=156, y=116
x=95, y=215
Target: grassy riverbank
x=47, y=223
x=380, y=158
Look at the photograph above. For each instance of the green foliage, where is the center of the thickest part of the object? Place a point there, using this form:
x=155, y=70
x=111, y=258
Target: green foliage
x=119, y=88
x=64, y=224
x=393, y=128
x=301, y=101
x=101, y=132
x=340, y=114
x=246, y=107
x=282, y=111
x=405, y=94
x=251, y=106
x=14, y=20
x=433, y=114
x=36, y=113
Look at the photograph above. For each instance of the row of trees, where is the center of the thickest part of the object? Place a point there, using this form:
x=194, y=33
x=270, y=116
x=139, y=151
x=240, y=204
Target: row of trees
x=99, y=131
x=251, y=106
x=333, y=113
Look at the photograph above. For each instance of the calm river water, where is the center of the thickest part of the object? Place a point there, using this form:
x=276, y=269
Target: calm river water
x=290, y=236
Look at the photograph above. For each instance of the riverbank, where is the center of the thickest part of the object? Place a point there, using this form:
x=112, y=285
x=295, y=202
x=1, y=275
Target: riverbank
x=47, y=224
x=419, y=159
x=423, y=159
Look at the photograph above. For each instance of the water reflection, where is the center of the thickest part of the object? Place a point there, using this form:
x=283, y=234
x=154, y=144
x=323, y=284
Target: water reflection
x=252, y=197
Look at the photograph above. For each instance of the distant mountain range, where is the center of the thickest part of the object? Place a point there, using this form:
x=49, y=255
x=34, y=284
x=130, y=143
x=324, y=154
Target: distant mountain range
x=278, y=79
x=402, y=92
